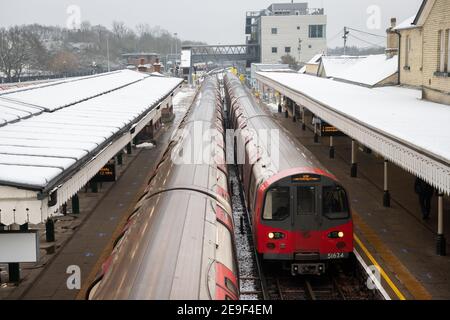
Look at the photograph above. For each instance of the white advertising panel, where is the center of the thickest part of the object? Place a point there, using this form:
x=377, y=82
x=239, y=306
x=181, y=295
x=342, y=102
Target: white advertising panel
x=17, y=247
x=186, y=58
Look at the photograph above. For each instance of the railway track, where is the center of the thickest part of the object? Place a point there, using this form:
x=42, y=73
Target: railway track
x=252, y=286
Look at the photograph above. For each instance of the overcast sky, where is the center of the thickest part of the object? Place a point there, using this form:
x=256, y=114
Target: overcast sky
x=212, y=21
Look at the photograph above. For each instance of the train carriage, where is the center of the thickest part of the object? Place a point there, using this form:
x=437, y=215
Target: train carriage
x=178, y=243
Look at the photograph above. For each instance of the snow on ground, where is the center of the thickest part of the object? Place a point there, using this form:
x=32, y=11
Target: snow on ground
x=395, y=111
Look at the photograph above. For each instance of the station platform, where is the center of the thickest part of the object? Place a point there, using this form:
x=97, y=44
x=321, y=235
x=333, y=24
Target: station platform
x=90, y=242
x=395, y=238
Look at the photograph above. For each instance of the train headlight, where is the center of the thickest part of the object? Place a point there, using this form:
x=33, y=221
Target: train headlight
x=276, y=235
x=336, y=235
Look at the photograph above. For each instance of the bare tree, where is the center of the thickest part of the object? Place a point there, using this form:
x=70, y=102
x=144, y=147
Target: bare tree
x=291, y=61
x=64, y=62
x=119, y=30
x=15, y=51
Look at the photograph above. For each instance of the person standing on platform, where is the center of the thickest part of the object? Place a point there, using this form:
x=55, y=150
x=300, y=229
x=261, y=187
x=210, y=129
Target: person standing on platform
x=425, y=193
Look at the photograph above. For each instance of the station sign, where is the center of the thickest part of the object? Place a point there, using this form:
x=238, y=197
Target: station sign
x=327, y=130
x=107, y=173
x=19, y=246
x=301, y=178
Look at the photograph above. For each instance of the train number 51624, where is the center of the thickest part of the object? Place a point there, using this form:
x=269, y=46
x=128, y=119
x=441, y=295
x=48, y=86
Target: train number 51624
x=332, y=256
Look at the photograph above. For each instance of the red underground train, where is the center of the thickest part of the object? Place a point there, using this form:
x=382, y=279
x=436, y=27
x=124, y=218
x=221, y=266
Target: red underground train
x=300, y=213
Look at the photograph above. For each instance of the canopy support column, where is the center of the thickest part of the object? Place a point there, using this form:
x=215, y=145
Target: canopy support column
x=354, y=169
x=75, y=204
x=387, y=195
x=332, y=150
x=316, y=130
x=441, y=241
x=286, y=108
x=303, y=119
x=294, y=112
x=280, y=104
x=120, y=158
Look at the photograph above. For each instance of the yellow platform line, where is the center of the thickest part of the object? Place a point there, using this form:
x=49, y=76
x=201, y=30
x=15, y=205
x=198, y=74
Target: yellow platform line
x=383, y=273
x=416, y=289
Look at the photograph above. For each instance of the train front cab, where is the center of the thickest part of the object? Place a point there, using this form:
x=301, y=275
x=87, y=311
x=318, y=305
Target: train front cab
x=305, y=221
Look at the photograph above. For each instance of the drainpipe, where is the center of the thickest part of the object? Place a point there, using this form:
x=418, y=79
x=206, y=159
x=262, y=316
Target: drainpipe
x=399, y=51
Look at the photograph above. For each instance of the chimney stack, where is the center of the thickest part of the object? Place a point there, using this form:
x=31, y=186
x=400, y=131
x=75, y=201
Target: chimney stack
x=392, y=40
x=157, y=66
x=393, y=22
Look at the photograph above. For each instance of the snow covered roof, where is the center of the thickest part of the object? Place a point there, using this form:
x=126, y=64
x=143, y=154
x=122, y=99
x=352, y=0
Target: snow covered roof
x=336, y=65
x=277, y=70
x=315, y=59
x=395, y=114
x=36, y=151
x=407, y=24
x=65, y=93
x=368, y=71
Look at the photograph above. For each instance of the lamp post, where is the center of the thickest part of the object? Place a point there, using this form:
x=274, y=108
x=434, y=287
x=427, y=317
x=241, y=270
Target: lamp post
x=176, y=43
x=107, y=52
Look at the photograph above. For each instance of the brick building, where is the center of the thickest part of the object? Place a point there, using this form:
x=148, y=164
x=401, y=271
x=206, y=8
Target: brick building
x=424, y=50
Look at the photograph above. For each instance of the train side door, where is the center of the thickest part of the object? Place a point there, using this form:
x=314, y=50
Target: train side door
x=306, y=220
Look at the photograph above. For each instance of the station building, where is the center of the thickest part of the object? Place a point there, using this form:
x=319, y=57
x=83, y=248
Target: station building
x=424, y=47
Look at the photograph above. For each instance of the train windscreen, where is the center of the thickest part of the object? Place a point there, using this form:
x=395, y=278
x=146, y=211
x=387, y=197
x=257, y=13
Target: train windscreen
x=335, y=202
x=306, y=200
x=277, y=206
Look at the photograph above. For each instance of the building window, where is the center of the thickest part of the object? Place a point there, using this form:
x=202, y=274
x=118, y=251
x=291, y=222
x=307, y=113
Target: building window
x=287, y=49
x=274, y=50
x=407, y=51
x=441, y=51
x=317, y=31
x=274, y=30
x=448, y=50
x=298, y=27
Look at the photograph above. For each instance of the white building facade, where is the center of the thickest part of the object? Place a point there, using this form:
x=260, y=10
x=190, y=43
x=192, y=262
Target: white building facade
x=299, y=33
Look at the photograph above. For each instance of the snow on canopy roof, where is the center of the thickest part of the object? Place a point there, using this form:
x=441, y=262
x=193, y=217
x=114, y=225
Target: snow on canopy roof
x=369, y=70
x=53, y=96
x=395, y=111
x=11, y=111
x=315, y=59
x=407, y=24
x=336, y=65
x=38, y=150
